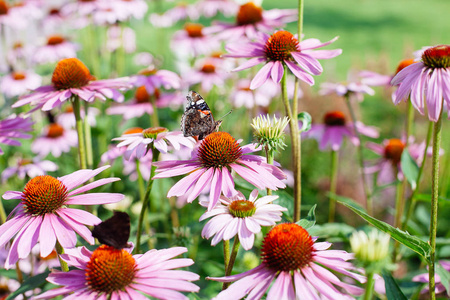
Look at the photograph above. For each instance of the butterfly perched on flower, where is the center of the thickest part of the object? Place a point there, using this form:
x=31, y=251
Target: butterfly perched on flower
x=197, y=119
x=114, y=231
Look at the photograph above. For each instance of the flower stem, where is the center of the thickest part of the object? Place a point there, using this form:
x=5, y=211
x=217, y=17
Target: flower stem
x=88, y=138
x=269, y=156
x=296, y=147
x=2, y=213
x=437, y=133
x=226, y=254
x=146, y=199
x=369, y=204
x=60, y=250
x=370, y=283
x=333, y=185
x=300, y=20
x=232, y=259
x=154, y=116
x=80, y=132
x=140, y=180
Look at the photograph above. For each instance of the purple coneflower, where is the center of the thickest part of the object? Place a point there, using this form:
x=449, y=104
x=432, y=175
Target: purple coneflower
x=181, y=11
x=72, y=78
x=210, y=8
x=118, y=37
x=138, y=140
x=67, y=119
x=18, y=83
x=242, y=95
x=208, y=73
x=440, y=287
x=153, y=79
x=30, y=168
x=239, y=216
x=351, y=89
x=279, y=49
x=55, y=140
x=193, y=41
x=300, y=267
x=57, y=48
x=14, y=127
x=212, y=162
x=428, y=79
x=43, y=214
x=109, y=273
x=335, y=127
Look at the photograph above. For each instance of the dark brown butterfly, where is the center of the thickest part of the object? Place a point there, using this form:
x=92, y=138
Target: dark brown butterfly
x=115, y=231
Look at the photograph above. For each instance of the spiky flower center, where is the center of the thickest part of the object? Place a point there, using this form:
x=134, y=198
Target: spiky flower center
x=148, y=72
x=142, y=96
x=133, y=130
x=19, y=75
x=334, y=118
x=152, y=132
x=17, y=45
x=219, y=149
x=43, y=194
x=70, y=73
x=242, y=208
x=110, y=270
x=55, y=40
x=403, y=64
x=287, y=247
x=437, y=57
x=54, y=12
x=194, y=30
x=208, y=68
x=54, y=131
x=249, y=14
x=24, y=162
x=52, y=255
x=393, y=150
x=280, y=45
x=3, y=8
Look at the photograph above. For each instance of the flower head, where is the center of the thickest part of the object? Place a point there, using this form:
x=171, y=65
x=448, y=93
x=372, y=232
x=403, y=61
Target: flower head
x=440, y=287
x=14, y=127
x=43, y=214
x=335, y=127
x=242, y=95
x=56, y=48
x=270, y=133
x=153, y=79
x=109, y=273
x=72, y=78
x=300, y=267
x=279, y=49
x=371, y=250
x=427, y=79
x=55, y=140
x=193, y=41
x=351, y=89
x=239, y=216
x=18, y=83
x=212, y=162
x=31, y=168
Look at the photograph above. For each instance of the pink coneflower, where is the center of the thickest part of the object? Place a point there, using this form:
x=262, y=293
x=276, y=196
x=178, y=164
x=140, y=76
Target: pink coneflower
x=212, y=162
x=138, y=140
x=117, y=37
x=130, y=8
x=335, y=127
x=10, y=16
x=14, y=127
x=31, y=168
x=239, y=216
x=427, y=79
x=57, y=48
x=180, y=12
x=242, y=95
x=300, y=268
x=81, y=7
x=72, y=78
x=156, y=79
x=67, y=119
x=19, y=83
x=55, y=140
x=44, y=216
x=208, y=73
x=440, y=287
x=352, y=89
x=109, y=273
x=193, y=41
x=279, y=49
x=252, y=19
x=210, y=8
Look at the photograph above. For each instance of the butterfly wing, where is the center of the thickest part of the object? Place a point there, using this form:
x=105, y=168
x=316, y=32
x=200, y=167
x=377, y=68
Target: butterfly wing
x=197, y=119
x=114, y=231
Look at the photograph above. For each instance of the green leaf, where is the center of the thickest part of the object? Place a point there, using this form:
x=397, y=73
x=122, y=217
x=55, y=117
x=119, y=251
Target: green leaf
x=410, y=169
x=412, y=242
x=29, y=284
x=427, y=198
x=306, y=121
x=393, y=291
x=310, y=219
x=346, y=200
x=445, y=276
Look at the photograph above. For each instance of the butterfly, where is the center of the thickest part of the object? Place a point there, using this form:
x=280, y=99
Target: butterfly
x=197, y=119
x=114, y=231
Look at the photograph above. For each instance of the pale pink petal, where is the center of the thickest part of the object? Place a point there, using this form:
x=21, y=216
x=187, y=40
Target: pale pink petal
x=299, y=73
x=11, y=227
x=79, y=177
x=64, y=234
x=434, y=96
x=250, y=63
x=277, y=71
x=201, y=184
x=95, y=198
x=93, y=185
x=282, y=288
x=182, y=186
x=47, y=237
x=304, y=288
x=29, y=238
x=262, y=75
x=216, y=188
x=82, y=230
x=308, y=63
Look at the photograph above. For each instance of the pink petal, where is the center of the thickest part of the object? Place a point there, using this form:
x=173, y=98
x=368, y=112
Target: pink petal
x=80, y=176
x=47, y=237
x=64, y=234
x=277, y=71
x=282, y=288
x=299, y=73
x=95, y=198
x=262, y=75
x=202, y=182
x=182, y=186
x=216, y=189
x=11, y=227
x=308, y=63
x=249, y=63
x=434, y=96
x=82, y=230
x=93, y=185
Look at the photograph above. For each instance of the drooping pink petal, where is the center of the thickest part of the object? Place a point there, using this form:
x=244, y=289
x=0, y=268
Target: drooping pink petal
x=434, y=96
x=29, y=238
x=308, y=63
x=249, y=63
x=93, y=185
x=47, y=237
x=11, y=227
x=82, y=230
x=216, y=188
x=299, y=73
x=95, y=198
x=80, y=176
x=202, y=182
x=64, y=234
x=277, y=71
x=262, y=75
x=182, y=186
x=304, y=288
x=282, y=288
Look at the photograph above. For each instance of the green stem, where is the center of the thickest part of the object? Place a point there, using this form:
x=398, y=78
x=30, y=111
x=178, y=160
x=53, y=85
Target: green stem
x=233, y=256
x=60, y=250
x=412, y=199
x=370, y=283
x=333, y=185
x=369, y=203
x=269, y=156
x=226, y=254
x=300, y=19
x=88, y=138
x=296, y=148
x=399, y=203
x=19, y=273
x=2, y=212
x=437, y=133
x=154, y=116
x=140, y=180
x=146, y=199
x=409, y=122
x=80, y=132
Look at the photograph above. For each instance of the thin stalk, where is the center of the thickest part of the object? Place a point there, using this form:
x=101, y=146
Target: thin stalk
x=233, y=255
x=88, y=138
x=226, y=254
x=140, y=180
x=269, y=156
x=60, y=250
x=154, y=115
x=412, y=199
x=399, y=203
x=370, y=283
x=300, y=19
x=19, y=273
x=296, y=150
x=367, y=193
x=333, y=185
x=146, y=199
x=437, y=134
x=409, y=122
x=80, y=132
x=2, y=212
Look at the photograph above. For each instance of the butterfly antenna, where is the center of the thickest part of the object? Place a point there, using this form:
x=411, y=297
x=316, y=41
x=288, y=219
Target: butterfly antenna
x=226, y=115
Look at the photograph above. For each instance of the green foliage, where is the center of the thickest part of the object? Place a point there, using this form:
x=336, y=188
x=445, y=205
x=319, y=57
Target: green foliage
x=306, y=121
x=410, y=169
x=393, y=291
x=310, y=219
x=30, y=284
